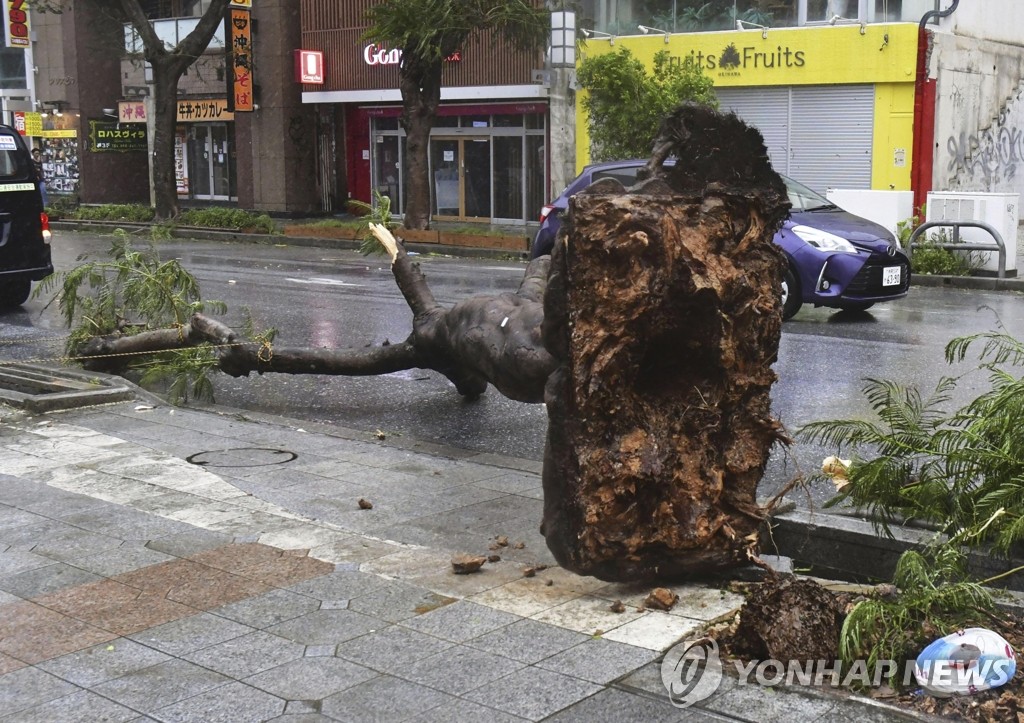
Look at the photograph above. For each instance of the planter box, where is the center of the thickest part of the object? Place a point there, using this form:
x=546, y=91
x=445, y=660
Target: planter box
x=517, y=244
x=414, y=236
x=322, y=232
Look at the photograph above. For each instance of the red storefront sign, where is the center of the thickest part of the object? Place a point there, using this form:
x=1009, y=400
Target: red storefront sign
x=309, y=66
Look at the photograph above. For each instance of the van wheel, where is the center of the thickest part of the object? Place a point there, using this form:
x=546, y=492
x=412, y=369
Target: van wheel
x=791, y=301
x=15, y=293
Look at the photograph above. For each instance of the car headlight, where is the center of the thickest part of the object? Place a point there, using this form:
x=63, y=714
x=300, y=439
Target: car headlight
x=824, y=240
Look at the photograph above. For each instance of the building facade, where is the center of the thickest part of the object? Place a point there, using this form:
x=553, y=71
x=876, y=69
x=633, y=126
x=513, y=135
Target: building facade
x=489, y=149
x=83, y=93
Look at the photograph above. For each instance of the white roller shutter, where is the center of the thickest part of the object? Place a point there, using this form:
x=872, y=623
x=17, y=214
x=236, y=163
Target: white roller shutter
x=818, y=135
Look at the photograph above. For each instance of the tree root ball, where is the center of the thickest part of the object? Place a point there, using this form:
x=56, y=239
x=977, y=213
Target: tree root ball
x=787, y=618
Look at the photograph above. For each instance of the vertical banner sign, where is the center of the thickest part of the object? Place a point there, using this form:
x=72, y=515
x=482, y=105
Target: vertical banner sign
x=239, y=59
x=16, y=27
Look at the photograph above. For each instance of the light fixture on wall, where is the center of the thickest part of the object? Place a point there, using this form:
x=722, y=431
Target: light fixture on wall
x=746, y=25
x=587, y=33
x=840, y=19
x=646, y=30
x=563, y=39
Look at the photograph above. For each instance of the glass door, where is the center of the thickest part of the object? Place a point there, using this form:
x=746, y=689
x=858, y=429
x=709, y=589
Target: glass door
x=211, y=161
x=461, y=177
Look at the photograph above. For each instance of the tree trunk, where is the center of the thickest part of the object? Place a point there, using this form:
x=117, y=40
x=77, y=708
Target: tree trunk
x=165, y=101
x=651, y=340
x=664, y=315
x=421, y=94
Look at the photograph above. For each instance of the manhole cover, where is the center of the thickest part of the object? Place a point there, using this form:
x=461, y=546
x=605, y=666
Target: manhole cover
x=37, y=389
x=241, y=457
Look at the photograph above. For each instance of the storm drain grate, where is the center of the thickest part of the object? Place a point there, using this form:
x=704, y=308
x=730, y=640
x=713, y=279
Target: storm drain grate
x=43, y=389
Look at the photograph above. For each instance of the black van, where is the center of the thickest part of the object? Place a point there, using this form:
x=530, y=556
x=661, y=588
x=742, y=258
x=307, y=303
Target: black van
x=24, y=227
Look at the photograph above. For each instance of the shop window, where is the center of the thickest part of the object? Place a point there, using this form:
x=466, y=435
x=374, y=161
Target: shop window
x=475, y=121
x=534, y=121
x=386, y=124
x=508, y=121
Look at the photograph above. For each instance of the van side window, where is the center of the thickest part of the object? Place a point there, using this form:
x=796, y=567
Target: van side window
x=8, y=164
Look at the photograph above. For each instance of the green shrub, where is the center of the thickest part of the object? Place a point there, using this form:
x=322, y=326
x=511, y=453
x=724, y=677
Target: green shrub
x=113, y=212
x=227, y=218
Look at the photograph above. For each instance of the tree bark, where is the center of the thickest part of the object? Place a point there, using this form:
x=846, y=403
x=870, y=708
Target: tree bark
x=663, y=312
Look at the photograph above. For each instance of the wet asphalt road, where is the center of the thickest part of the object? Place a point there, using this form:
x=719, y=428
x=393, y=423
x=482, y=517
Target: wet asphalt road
x=337, y=298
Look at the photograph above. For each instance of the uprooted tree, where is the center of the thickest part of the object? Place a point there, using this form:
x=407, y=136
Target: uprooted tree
x=650, y=334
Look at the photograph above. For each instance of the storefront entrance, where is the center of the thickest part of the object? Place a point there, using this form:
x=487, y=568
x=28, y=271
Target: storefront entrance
x=487, y=163
x=211, y=161
x=461, y=177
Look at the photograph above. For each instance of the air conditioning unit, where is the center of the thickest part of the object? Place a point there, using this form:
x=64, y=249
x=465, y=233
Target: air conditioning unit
x=1001, y=211
x=887, y=208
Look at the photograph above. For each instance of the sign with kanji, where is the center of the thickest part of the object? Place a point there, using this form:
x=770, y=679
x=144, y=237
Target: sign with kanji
x=204, y=109
x=131, y=111
x=239, y=61
x=17, y=32
x=107, y=136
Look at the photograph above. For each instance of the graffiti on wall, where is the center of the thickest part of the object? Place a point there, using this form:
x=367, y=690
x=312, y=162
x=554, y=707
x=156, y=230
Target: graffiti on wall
x=990, y=159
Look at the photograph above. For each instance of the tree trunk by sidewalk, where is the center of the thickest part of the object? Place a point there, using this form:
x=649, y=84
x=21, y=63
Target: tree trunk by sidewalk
x=664, y=314
x=650, y=335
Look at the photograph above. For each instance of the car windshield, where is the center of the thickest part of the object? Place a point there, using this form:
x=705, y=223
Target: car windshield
x=804, y=199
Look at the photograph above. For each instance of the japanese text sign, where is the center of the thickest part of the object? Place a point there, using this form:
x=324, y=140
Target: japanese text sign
x=240, y=61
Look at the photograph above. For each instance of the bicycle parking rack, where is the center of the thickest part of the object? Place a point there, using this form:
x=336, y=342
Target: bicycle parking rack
x=958, y=245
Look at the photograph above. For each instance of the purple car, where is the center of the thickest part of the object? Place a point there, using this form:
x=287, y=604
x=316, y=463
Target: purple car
x=836, y=259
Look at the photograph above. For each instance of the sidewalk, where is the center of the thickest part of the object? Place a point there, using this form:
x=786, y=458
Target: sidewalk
x=173, y=564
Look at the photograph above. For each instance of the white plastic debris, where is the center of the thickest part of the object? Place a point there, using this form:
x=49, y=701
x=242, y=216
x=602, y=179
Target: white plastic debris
x=965, y=662
x=144, y=407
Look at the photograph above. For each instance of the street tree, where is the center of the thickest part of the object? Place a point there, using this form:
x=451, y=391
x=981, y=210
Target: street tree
x=169, y=63
x=649, y=334
x=427, y=32
x=625, y=104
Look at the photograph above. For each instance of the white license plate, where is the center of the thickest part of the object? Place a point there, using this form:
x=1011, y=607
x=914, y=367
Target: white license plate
x=891, y=276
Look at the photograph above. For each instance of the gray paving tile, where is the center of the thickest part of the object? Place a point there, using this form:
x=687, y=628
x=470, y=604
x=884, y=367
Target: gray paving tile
x=189, y=542
x=384, y=699
x=13, y=517
x=43, y=580
x=339, y=585
x=772, y=705
x=618, y=705
x=598, y=660
x=533, y=693
x=646, y=678
x=459, y=669
x=226, y=704
x=248, y=654
x=268, y=609
x=29, y=687
x=186, y=635
x=80, y=707
x=74, y=543
x=528, y=640
x=396, y=601
x=158, y=686
x=460, y=621
x=510, y=482
x=464, y=711
x=15, y=559
x=127, y=557
x=391, y=650
x=310, y=678
x=326, y=627
x=103, y=662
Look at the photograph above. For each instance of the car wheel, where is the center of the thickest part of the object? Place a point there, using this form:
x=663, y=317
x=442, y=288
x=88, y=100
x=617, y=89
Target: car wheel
x=791, y=301
x=15, y=293
x=856, y=305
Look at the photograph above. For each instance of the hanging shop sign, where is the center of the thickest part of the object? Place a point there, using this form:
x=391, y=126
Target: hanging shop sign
x=241, y=3
x=131, y=111
x=204, y=109
x=309, y=67
x=17, y=32
x=239, y=56
x=111, y=136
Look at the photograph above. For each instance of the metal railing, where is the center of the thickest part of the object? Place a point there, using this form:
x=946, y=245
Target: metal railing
x=957, y=245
